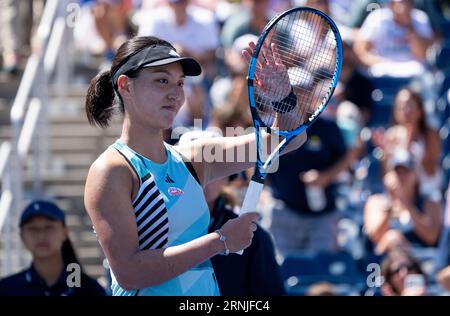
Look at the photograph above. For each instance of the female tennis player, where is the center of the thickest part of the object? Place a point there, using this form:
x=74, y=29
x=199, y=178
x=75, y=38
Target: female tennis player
x=144, y=196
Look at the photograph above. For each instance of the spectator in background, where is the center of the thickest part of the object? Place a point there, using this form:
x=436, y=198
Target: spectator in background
x=17, y=19
x=360, y=10
x=251, y=20
x=340, y=10
x=393, y=40
x=410, y=132
x=337, y=10
x=350, y=122
x=322, y=5
x=402, y=210
x=443, y=278
x=403, y=275
x=111, y=20
x=305, y=215
x=191, y=29
x=233, y=57
x=44, y=234
x=232, y=87
x=256, y=272
x=356, y=87
x=195, y=107
x=102, y=26
x=234, y=111
x=229, y=94
x=435, y=9
x=443, y=257
x=9, y=39
x=321, y=289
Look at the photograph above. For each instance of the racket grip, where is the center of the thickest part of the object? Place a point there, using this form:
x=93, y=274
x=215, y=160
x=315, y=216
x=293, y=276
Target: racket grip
x=251, y=197
x=251, y=200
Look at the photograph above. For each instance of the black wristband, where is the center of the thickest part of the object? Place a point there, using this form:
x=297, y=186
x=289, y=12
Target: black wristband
x=287, y=104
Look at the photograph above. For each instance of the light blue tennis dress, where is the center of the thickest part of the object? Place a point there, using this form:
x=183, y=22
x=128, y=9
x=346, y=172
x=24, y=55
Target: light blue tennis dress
x=170, y=210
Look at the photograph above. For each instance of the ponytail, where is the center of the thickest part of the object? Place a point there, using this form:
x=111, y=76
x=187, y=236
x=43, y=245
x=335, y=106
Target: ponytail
x=68, y=253
x=100, y=100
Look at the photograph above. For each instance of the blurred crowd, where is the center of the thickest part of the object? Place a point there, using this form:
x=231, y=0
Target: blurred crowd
x=371, y=179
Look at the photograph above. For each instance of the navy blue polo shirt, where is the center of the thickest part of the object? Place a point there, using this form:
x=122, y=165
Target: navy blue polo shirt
x=256, y=272
x=324, y=147
x=30, y=283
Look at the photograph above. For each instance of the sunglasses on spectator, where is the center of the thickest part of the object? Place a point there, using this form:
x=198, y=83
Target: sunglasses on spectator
x=410, y=266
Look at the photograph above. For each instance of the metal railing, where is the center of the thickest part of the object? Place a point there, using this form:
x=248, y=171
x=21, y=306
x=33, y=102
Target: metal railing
x=29, y=123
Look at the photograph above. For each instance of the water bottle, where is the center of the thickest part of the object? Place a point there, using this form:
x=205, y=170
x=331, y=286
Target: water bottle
x=315, y=197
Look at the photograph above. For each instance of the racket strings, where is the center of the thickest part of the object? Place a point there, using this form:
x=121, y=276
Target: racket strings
x=306, y=47
x=314, y=40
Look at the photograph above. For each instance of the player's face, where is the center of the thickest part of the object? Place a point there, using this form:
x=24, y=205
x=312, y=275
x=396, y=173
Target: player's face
x=43, y=237
x=159, y=94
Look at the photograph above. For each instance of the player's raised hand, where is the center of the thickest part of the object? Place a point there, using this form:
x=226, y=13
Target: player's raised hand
x=271, y=76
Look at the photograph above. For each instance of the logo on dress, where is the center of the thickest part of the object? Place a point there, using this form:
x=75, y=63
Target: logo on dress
x=173, y=191
x=169, y=179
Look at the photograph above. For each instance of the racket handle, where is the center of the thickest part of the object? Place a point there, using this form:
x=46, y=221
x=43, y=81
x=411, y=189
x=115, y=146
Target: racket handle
x=251, y=197
x=251, y=200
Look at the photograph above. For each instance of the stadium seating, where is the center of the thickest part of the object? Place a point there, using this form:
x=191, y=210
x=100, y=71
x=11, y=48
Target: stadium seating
x=305, y=268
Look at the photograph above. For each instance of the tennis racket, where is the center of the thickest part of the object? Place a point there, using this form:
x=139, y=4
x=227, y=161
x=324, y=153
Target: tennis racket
x=292, y=75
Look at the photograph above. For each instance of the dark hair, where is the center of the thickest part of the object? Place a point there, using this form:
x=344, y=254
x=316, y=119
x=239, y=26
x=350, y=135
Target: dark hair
x=100, y=97
x=68, y=253
x=394, y=256
x=418, y=100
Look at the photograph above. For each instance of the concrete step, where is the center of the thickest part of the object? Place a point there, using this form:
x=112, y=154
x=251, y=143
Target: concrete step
x=67, y=161
x=80, y=223
x=66, y=191
x=90, y=253
x=95, y=271
x=5, y=131
x=74, y=91
x=82, y=130
x=94, y=146
x=87, y=236
x=73, y=176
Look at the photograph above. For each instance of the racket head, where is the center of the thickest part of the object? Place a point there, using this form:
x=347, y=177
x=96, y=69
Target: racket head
x=309, y=46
